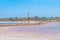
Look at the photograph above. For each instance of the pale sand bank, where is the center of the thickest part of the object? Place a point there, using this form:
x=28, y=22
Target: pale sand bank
x=27, y=36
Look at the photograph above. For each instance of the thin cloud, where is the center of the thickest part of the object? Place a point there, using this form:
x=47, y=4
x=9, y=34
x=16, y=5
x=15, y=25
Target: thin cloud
x=56, y=1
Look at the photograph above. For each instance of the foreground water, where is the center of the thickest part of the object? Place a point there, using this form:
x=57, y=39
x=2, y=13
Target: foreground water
x=53, y=29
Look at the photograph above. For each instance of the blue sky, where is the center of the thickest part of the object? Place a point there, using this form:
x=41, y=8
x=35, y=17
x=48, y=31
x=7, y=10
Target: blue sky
x=20, y=8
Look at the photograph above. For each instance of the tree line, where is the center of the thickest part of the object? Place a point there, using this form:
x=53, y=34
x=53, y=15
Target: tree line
x=36, y=18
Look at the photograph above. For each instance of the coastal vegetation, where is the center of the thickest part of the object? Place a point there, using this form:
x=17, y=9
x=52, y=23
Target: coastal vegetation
x=36, y=18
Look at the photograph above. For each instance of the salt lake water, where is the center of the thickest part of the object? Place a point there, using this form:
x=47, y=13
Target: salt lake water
x=53, y=28
x=9, y=22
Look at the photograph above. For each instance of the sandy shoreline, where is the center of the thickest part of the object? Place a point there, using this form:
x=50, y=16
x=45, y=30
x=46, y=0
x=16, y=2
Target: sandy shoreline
x=26, y=36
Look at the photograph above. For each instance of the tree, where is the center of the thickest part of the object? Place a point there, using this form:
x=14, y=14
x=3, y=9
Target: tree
x=36, y=17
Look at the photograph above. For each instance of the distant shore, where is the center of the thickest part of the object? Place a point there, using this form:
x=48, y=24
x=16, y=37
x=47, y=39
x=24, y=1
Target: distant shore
x=18, y=24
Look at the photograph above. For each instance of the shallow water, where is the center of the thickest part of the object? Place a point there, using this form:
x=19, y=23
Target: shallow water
x=9, y=22
x=47, y=29
x=53, y=28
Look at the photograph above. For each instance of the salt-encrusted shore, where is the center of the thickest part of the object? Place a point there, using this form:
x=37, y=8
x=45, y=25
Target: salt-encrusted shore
x=26, y=36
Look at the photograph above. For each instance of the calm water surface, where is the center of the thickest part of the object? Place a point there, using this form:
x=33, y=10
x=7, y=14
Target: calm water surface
x=53, y=28
x=48, y=29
